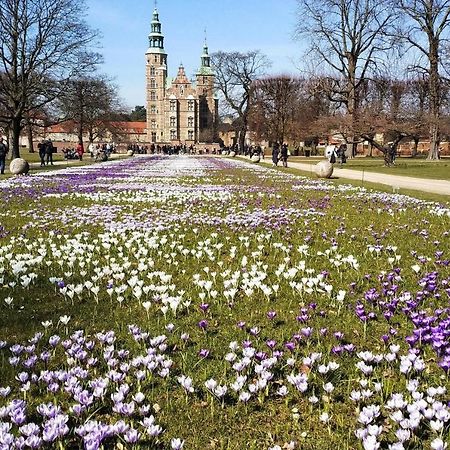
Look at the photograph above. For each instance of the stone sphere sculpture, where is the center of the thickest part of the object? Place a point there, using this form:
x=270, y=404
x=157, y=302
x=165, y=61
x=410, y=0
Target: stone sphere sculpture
x=130, y=153
x=224, y=152
x=233, y=154
x=19, y=166
x=256, y=158
x=324, y=169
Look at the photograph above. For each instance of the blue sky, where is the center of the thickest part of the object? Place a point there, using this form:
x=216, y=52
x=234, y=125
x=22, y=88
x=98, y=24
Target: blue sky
x=232, y=25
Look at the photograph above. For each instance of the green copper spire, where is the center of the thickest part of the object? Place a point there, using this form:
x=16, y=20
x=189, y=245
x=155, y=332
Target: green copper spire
x=205, y=68
x=156, y=38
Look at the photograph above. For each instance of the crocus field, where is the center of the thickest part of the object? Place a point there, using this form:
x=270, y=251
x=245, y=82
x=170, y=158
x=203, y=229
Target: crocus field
x=207, y=303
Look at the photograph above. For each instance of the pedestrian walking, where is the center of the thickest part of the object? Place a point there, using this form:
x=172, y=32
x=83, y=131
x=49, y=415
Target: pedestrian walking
x=284, y=153
x=342, y=153
x=49, y=152
x=3, y=153
x=333, y=155
x=275, y=153
x=41, y=150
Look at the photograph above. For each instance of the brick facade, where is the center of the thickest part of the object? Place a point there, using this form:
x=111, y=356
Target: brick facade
x=178, y=111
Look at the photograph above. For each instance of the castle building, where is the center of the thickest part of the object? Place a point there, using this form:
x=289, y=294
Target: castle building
x=178, y=111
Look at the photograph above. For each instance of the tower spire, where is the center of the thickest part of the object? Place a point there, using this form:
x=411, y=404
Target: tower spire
x=156, y=38
x=205, y=68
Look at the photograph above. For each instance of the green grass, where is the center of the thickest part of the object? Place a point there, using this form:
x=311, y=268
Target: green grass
x=58, y=158
x=409, y=167
x=70, y=230
x=444, y=199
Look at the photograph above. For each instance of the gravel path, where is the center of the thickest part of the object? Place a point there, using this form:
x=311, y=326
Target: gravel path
x=397, y=182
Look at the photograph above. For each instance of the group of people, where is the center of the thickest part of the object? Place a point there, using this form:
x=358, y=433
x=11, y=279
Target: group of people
x=46, y=150
x=280, y=152
x=338, y=153
x=101, y=152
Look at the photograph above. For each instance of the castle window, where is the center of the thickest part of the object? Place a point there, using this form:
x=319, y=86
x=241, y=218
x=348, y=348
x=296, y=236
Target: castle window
x=173, y=121
x=153, y=136
x=153, y=109
x=154, y=124
x=190, y=121
x=191, y=135
x=152, y=95
x=153, y=83
x=173, y=134
x=152, y=71
x=191, y=105
x=173, y=105
x=156, y=58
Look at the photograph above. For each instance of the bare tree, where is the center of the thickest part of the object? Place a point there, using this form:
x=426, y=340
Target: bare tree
x=348, y=40
x=426, y=32
x=43, y=44
x=89, y=102
x=235, y=74
x=275, y=104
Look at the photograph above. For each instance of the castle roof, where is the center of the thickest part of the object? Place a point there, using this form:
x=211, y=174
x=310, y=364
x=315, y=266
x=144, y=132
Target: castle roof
x=181, y=77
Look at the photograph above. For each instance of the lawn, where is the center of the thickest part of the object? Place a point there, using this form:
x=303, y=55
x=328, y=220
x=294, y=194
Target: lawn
x=58, y=159
x=421, y=168
x=206, y=303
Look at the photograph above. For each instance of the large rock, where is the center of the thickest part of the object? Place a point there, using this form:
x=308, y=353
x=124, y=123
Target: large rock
x=256, y=158
x=19, y=166
x=233, y=154
x=324, y=169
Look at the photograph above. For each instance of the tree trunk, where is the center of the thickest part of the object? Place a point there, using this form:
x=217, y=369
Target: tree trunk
x=80, y=134
x=435, y=100
x=16, y=128
x=387, y=158
x=434, y=141
x=242, y=134
x=388, y=152
x=414, y=150
x=30, y=137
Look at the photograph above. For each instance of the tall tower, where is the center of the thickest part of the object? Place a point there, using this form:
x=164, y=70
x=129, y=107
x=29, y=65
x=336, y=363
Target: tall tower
x=207, y=101
x=156, y=76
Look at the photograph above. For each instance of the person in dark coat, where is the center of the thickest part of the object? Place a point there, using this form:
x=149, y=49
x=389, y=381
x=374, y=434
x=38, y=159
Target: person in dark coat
x=284, y=154
x=3, y=152
x=41, y=149
x=275, y=153
x=49, y=152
